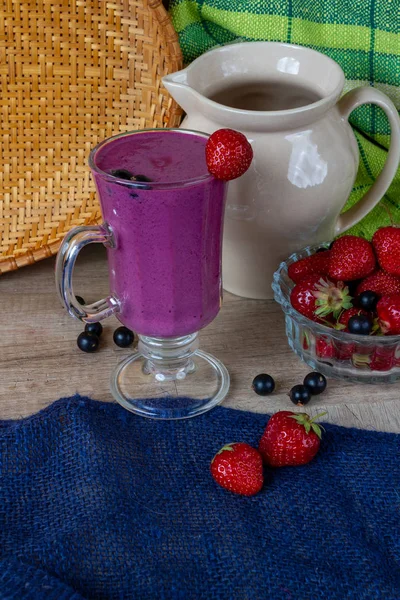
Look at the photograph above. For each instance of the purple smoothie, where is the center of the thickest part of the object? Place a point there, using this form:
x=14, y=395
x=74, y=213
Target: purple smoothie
x=166, y=266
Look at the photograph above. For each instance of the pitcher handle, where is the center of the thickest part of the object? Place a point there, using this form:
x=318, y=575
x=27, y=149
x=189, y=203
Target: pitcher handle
x=72, y=244
x=350, y=101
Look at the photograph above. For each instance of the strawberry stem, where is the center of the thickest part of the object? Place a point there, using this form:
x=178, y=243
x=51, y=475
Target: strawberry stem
x=318, y=416
x=331, y=298
x=308, y=424
x=228, y=447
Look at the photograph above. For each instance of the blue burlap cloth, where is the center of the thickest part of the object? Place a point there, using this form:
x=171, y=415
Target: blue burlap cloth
x=97, y=503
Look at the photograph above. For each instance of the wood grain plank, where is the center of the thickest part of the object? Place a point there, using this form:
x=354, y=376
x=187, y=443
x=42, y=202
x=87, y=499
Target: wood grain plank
x=39, y=360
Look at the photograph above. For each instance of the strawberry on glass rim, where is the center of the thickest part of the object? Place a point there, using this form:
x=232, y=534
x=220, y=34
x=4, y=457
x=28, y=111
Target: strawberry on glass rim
x=228, y=154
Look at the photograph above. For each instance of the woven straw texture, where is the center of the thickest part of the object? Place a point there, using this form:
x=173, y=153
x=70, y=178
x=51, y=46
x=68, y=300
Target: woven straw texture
x=73, y=72
x=113, y=506
x=363, y=36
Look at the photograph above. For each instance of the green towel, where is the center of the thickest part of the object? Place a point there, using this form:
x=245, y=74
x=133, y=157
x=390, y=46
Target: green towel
x=361, y=35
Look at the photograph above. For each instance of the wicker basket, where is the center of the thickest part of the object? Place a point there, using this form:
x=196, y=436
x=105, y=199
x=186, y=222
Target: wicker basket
x=73, y=72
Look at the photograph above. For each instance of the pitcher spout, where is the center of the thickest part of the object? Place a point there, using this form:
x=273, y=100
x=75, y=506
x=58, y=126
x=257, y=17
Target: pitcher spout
x=177, y=85
x=179, y=78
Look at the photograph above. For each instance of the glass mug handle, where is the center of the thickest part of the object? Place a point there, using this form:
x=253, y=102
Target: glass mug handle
x=72, y=244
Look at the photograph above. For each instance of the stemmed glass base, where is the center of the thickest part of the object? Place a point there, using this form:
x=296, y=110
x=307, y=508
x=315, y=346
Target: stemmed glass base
x=169, y=378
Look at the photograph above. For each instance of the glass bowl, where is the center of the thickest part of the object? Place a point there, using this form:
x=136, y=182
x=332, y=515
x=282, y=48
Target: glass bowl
x=358, y=358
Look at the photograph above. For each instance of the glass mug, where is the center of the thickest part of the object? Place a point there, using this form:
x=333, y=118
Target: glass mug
x=163, y=234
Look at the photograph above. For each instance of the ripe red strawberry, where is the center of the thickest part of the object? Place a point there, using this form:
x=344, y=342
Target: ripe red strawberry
x=311, y=265
x=345, y=350
x=238, y=467
x=381, y=283
x=388, y=309
x=324, y=347
x=382, y=359
x=228, y=154
x=290, y=439
x=386, y=242
x=302, y=297
x=351, y=258
x=315, y=297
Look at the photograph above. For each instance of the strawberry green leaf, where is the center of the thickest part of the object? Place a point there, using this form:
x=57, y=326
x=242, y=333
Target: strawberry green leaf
x=317, y=429
x=304, y=420
x=331, y=298
x=227, y=447
x=318, y=416
x=300, y=418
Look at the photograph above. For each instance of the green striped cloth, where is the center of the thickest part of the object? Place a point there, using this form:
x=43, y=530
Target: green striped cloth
x=361, y=35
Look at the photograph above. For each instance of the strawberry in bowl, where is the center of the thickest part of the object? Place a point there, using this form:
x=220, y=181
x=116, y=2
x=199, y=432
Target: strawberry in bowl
x=343, y=310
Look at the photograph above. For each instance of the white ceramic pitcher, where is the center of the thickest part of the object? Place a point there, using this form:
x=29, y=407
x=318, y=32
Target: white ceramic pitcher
x=305, y=152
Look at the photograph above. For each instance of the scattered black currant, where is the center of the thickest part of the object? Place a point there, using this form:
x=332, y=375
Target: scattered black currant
x=80, y=300
x=95, y=328
x=87, y=342
x=123, y=337
x=315, y=382
x=263, y=384
x=300, y=395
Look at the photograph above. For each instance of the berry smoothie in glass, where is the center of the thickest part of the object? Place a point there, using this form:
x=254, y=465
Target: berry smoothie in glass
x=162, y=226
x=166, y=268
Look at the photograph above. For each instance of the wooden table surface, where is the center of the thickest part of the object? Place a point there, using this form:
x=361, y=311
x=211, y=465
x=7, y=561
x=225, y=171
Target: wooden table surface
x=40, y=362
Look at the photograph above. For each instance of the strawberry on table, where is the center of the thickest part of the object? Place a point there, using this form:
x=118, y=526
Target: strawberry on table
x=386, y=242
x=388, y=309
x=381, y=283
x=290, y=439
x=351, y=258
x=316, y=298
x=238, y=467
x=228, y=154
x=311, y=265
